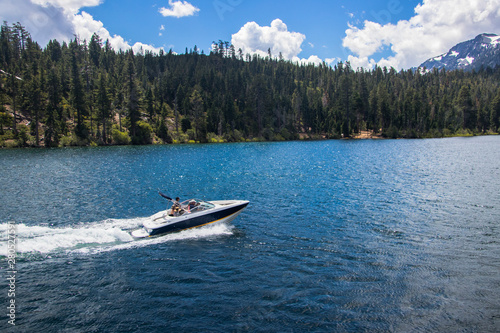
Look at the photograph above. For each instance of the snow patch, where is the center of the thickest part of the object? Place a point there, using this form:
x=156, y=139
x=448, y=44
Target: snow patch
x=494, y=40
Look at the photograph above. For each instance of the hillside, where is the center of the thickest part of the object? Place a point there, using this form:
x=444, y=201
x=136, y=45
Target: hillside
x=86, y=93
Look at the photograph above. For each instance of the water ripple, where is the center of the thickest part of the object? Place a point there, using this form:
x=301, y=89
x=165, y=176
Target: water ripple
x=340, y=236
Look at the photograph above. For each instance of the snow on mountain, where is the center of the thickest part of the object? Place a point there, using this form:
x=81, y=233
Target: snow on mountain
x=484, y=50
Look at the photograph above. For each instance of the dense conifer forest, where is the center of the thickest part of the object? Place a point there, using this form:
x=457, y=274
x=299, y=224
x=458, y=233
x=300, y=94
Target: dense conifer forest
x=86, y=93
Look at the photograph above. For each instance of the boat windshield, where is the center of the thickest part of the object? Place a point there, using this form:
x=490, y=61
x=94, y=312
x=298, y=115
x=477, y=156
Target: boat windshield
x=195, y=205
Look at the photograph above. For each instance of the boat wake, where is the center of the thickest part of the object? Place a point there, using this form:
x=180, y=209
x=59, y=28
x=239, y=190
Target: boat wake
x=91, y=238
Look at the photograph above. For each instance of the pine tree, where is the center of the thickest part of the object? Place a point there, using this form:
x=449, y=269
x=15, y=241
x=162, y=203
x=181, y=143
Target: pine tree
x=132, y=98
x=464, y=104
x=53, y=109
x=197, y=114
x=13, y=88
x=104, y=106
x=77, y=92
x=95, y=49
x=495, y=113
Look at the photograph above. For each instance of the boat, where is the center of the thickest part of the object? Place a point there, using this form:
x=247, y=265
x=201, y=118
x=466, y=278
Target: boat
x=190, y=214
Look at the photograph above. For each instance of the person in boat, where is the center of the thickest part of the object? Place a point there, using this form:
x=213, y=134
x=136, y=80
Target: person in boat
x=192, y=204
x=176, y=209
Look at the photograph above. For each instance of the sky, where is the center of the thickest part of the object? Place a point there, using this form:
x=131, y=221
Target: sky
x=393, y=33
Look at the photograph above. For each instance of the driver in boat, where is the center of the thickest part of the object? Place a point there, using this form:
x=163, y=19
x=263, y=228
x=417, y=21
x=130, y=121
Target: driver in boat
x=176, y=209
x=192, y=204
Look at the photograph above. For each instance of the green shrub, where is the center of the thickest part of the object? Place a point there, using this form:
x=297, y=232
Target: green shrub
x=120, y=138
x=391, y=132
x=162, y=133
x=72, y=140
x=143, y=134
x=10, y=144
x=191, y=134
x=213, y=138
x=179, y=137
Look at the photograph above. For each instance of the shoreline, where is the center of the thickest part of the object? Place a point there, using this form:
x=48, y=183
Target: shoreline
x=363, y=135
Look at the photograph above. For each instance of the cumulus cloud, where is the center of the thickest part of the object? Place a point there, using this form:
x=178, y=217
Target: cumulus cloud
x=254, y=39
x=179, y=9
x=61, y=20
x=312, y=60
x=331, y=61
x=42, y=22
x=86, y=26
x=70, y=6
x=436, y=26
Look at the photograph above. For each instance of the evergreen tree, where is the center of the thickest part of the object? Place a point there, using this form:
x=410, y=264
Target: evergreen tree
x=495, y=112
x=464, y=103
x=104, y=106
x=13, y=88
x=77, y=92
x=132, y=98
x=95, y=49
x=53, y=109
x=198, y=115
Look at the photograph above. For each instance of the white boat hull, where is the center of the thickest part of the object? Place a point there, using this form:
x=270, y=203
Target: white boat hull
x=222, y=211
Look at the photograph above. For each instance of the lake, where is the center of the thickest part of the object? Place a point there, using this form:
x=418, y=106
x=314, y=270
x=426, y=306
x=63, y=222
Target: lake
x=339, y=236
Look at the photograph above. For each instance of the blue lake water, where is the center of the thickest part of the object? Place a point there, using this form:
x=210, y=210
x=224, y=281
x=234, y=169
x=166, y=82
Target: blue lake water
x=339, y=236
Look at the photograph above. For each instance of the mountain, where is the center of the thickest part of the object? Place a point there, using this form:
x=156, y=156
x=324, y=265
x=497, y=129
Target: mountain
x=484, y=50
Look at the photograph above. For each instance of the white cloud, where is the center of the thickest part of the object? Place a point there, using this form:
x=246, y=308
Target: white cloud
x=71, y=6
x=436, y=27
x=85, y=26
x=42, y=22
x=179, y=9
x=361, y=62
x=331, y=61
x=254, y=39
x=59, y=19
x=313, y=60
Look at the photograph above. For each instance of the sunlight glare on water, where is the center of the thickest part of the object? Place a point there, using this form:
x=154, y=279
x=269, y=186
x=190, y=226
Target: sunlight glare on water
x=339, y=236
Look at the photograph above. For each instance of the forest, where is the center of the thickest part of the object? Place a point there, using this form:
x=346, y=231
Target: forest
x=85, y=93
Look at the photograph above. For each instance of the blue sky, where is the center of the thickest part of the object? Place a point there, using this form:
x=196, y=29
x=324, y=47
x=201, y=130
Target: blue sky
x=322, y=22
x=398, y=33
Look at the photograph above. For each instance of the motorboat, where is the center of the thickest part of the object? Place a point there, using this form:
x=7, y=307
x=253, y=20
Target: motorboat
x=189, y=214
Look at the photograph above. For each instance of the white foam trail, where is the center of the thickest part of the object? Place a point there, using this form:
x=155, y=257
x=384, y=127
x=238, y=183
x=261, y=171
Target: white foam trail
x=94, y=237
x=208, y=231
